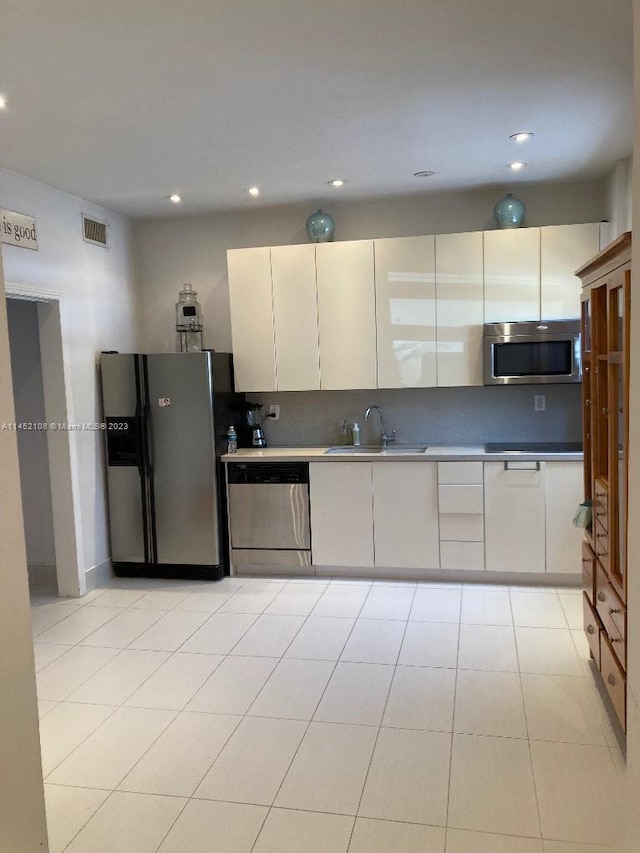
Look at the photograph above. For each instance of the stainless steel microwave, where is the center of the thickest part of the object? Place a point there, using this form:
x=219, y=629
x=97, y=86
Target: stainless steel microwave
x=532, y=353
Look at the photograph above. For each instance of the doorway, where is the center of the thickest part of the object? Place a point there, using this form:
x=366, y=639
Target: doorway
x=47, y=483
x=33, y=450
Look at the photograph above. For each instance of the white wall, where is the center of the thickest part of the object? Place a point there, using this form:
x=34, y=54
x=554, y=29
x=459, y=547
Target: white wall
x=619, y=198
x=22, y=817
x=170, y=252
x=99, y=310
x=26, y=372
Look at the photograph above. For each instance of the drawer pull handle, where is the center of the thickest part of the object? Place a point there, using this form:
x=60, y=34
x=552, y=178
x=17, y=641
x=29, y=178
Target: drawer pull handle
x=613, y=610
x=590, y=629
x=602, y=596
x=611, y=679
x=510, y=466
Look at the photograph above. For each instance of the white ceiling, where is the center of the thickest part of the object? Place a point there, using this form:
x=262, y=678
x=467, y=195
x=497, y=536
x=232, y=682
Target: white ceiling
x=126, y=101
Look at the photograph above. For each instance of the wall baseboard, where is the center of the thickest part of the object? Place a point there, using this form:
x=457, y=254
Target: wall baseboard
x=98, y=575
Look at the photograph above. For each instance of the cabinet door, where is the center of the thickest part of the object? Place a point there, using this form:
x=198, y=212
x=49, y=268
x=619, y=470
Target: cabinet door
x=254, y=358
x=295, y=317
x=512, y=275
x=405, y=515
x=340, y=495
x=563, y=493
x=346, y=315
x=405, y=312
x=514, y=517
x=460, y=312
x=564, y=248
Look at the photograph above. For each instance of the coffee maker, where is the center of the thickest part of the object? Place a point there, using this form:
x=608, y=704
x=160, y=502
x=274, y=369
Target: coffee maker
x=254, y=425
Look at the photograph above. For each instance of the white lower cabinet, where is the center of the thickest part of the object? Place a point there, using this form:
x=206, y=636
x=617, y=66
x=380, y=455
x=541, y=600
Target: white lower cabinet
x=405, y=515
x=341, y=499
x=514, y=496
x=564, y=490
x=374, y=514
x=460, y=516
x=461, y=509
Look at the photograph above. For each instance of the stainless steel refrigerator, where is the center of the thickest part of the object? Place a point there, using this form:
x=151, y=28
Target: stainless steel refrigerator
x=166, y=418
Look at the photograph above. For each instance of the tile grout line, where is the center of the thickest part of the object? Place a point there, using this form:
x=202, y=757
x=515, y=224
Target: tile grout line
x=384, y=710
x=310, y=721
x=453, y=719
x=114, y=790
x=526, y=723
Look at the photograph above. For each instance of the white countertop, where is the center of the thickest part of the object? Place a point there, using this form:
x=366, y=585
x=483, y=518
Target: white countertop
x=433, y=453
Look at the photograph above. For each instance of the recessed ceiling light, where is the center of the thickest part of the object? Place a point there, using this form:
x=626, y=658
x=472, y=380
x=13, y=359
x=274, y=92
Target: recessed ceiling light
x=423, y=174
x=254, y=191
x=3, y=102
x=337, y=182
x=175, y=198
x=516, y=166
x=523, y=136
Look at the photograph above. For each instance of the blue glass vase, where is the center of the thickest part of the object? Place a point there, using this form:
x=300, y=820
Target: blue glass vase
x=509, y=212
x=320, y=227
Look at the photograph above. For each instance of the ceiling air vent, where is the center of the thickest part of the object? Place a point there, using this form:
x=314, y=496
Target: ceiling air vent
x=94, y=231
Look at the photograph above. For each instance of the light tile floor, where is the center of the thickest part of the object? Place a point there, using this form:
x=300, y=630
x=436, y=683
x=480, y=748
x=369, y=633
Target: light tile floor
x=323, y=716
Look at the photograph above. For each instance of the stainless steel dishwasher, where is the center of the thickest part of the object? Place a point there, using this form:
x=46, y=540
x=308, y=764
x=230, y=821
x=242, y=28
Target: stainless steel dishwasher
x=269, y=516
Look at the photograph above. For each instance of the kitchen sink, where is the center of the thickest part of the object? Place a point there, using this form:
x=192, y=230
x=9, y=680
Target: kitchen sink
x=398, y=450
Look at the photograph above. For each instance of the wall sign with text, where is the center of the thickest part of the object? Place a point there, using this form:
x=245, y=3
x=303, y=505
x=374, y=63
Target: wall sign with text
x=18, y=229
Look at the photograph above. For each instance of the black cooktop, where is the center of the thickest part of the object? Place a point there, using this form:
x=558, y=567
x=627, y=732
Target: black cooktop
x=534, y=447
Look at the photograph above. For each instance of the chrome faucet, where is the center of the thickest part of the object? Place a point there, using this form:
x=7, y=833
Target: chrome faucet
x=384, y=438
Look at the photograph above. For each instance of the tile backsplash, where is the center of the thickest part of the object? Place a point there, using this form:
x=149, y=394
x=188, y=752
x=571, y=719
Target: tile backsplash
x=427, y=415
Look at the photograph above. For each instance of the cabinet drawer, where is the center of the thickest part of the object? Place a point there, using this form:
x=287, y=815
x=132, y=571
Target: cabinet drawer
x=460, y=499
x=601, y=505
x=610, y=609
x=591, y=629
x=601, y=538
x=460, y=473
x=588, y=571
x=614, y=680
x=462, y=528
x=462, y=555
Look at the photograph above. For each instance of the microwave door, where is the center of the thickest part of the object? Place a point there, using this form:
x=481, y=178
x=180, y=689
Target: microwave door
x=554, y=359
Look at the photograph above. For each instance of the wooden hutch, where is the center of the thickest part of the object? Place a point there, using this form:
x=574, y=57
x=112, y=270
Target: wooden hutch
x=606, y=281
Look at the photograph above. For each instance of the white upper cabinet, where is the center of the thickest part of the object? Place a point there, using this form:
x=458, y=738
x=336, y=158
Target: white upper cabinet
x=405, y=312
x=564, y=248
x=295, y=317
x=460, y=309
x=346, y=315
x=254, y=357
x=511, y=275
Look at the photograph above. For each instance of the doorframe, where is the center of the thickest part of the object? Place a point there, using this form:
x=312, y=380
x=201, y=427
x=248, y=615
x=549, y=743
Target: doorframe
x=65, y=504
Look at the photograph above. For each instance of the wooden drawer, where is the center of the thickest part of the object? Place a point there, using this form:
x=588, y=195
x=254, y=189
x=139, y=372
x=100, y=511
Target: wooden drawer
x=591, y=629
x=601, y=505
x=601, y=538
x=460, y=499
x=588, y=571
x=614, y=680
x=609, y=606
x=460, y=473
